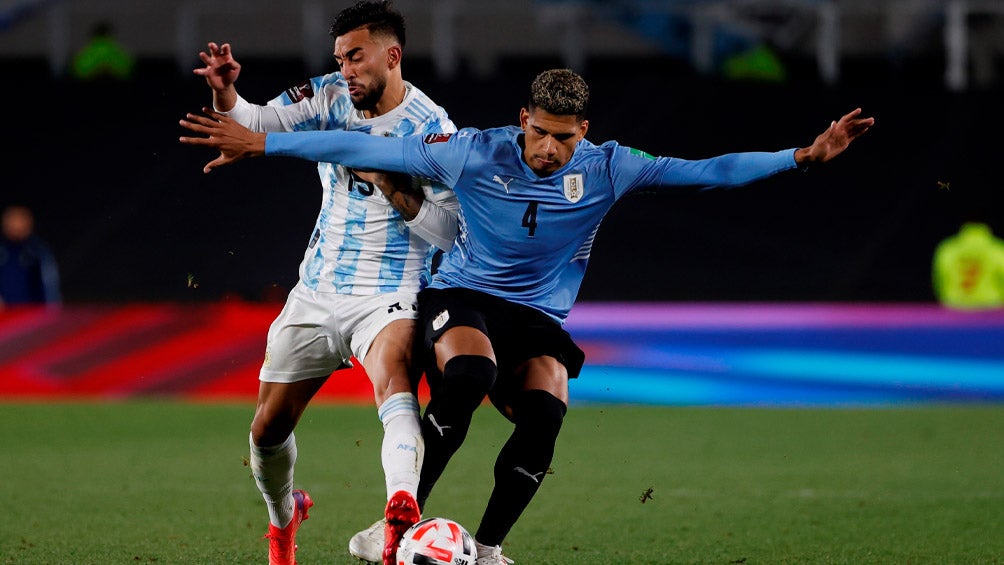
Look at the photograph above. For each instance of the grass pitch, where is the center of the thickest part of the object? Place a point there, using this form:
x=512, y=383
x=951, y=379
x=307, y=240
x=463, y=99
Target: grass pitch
x=166, y=482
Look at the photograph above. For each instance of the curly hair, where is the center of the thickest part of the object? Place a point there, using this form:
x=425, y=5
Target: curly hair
x=378, y=17
x=561, y=92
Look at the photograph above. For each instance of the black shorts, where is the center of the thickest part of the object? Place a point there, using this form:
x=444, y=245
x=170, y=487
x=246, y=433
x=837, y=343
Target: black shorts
x=517, y=333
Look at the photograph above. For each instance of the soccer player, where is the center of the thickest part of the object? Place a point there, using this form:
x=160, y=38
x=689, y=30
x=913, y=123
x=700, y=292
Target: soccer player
x=531, y=199
x=366, y=260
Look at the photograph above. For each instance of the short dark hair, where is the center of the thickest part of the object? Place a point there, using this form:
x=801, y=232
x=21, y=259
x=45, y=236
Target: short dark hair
x=561, y=92
x=378, y=17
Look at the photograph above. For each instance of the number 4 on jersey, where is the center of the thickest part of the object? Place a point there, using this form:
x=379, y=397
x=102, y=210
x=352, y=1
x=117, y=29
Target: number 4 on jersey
x=530, y=218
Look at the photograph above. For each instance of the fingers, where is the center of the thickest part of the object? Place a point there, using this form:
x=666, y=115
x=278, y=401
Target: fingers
x=204, y=124
x=215, y=51
x=850, y=115
x=198, y=124
x=211, y=116
x=196, y=141
x=852, y=119
x=219, y=161
x=851, y=125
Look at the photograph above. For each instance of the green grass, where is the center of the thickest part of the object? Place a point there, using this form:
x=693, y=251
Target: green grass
x=164, y=482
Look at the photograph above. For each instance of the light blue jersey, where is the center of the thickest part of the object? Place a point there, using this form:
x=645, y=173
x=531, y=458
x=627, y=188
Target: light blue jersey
x=527, y=238
x=360, y=244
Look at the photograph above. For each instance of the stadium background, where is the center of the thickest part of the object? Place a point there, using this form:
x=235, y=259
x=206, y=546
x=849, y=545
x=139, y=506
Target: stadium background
x=170, y=277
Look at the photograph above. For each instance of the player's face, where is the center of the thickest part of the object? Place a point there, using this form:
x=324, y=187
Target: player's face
x=365, y=62
x=549, y=139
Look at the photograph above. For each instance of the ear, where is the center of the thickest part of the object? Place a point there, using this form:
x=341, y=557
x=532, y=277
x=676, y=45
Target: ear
x=583, y=128
x=394, y=54
x=524, y=118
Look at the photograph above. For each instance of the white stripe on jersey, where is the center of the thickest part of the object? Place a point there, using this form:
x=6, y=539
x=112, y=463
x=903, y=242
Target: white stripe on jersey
x=360, y=244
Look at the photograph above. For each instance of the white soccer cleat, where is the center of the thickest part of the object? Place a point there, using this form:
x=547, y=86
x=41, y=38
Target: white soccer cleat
x=367, y=545
x=493, y=557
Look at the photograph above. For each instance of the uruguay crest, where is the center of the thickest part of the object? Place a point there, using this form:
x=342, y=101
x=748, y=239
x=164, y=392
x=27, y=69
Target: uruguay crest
x=573, y=187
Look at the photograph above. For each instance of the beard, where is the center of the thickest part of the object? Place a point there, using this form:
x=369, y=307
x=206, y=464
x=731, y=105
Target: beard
x=369, y=100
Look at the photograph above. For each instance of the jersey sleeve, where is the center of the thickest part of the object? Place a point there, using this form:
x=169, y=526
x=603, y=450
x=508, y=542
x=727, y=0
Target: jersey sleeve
x=436, y=221
x=311, y=105
x=632, y=169
x=254, y=117
x=440, y=157
x=352, y=149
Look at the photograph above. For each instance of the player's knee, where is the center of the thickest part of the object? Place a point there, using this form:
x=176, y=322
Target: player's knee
x=470, y=376
x=273, y=422
x=540, y=412
x=465, y=381
x=270, y=432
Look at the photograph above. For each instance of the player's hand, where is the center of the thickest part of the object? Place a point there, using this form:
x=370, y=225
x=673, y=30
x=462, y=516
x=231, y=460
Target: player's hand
x=221, y=69
x=405, y=196
x=234, y=141
x=835, y=139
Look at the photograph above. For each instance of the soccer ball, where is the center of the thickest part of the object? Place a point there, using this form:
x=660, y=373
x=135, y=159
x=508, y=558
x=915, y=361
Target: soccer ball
x=437, y=541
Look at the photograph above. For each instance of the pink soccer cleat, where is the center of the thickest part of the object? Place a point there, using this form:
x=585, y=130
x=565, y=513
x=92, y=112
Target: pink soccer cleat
x=401, y=513
x=282, y=541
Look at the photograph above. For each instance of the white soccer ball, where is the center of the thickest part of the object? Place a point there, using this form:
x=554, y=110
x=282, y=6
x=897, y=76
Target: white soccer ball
x=437, y=541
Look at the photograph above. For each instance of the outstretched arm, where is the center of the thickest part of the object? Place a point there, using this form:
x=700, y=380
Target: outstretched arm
x=234, y=141
x=220, y=71
x=350, y=148
x=835, y=139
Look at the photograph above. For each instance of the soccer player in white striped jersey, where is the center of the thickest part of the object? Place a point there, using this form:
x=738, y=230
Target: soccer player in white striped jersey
x=367, y=258
x=532, y=198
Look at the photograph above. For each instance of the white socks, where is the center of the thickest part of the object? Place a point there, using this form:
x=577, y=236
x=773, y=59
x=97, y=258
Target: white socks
x=403, y=447
x=401, y=453
x=273, y=472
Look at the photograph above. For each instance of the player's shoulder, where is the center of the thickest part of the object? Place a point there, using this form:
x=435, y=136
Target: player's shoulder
x=589, y=151
x=613, y=151
x=416, y=93
x=417, y=97
x=503, y=134
x=322, y=87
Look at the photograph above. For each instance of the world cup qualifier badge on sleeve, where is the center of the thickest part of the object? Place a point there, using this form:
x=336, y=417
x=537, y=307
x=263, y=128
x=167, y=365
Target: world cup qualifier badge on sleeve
x=300, y=91
x=437, y=138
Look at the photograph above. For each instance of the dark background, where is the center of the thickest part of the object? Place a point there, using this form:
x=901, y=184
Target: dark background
x=130, y=215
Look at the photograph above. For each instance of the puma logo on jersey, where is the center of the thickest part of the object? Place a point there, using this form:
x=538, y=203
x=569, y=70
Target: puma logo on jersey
x=505, y=184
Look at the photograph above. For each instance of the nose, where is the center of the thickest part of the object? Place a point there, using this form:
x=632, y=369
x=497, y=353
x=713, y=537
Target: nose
x=348, y=70
x=550, y=146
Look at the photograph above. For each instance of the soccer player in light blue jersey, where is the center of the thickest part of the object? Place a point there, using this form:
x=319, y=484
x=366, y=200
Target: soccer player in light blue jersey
x=366, y=261
x=531, y=200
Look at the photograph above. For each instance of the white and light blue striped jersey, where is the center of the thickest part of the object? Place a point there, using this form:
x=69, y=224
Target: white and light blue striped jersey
x=360, y=244
x=527, y=238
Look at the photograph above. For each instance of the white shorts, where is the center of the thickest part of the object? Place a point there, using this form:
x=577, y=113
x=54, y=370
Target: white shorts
x=317, y=333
